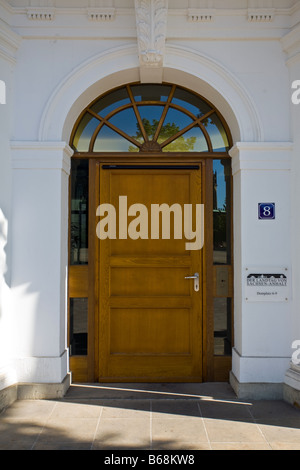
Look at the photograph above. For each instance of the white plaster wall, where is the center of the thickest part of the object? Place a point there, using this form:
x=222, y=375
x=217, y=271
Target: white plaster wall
x=250, y=52
x=39, y=262
x=36, y=261
x=7, y=374
x=6, y=326
x=266, y=244
x=259, y=66
x=55, y=78
x=263, y=330
x=295, y=221
x=291, y=46
x=41, y=67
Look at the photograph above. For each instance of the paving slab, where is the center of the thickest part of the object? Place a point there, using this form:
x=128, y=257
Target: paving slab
x=150, y=417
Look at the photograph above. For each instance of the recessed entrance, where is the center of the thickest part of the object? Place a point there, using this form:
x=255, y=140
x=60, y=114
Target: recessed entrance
x=144, y=308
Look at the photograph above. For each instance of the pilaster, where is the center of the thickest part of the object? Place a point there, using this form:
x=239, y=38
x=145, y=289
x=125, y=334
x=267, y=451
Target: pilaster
x=9, y=44
x=263, y=328
x=39, y=265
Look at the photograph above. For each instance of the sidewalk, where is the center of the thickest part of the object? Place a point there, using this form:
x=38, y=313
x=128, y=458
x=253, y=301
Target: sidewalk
x=150, y=417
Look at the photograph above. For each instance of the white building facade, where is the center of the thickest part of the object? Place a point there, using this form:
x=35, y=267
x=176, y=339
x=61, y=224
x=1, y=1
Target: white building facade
x=58, y=57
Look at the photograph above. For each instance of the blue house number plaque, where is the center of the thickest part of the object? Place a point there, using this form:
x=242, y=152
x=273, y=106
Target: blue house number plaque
x=266, y=210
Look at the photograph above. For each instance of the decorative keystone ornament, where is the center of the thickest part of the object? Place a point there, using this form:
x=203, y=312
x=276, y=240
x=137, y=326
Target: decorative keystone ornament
x=151, y=22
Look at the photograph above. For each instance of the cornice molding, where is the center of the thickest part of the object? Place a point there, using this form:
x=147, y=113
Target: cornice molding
x=261, y=156
x=41, y=155
x=184, y=12
x=261, y=147
x=101, y=14
x=202, y=15
x=261, y=15
x=59, y=20
x=151, y=24
x=40, y=13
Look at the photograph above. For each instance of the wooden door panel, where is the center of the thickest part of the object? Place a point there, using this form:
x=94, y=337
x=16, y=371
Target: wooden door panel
x=150, y=317
x=148, y=368
x=140, y=190
x=155, y=331
x=149, y=281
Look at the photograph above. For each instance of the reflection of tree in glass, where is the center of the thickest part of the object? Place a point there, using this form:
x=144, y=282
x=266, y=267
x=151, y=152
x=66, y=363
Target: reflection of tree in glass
x=181, y=144
x=219, y=231
x=206, y=121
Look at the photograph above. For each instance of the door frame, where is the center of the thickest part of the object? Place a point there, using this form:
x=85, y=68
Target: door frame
x=215, y=368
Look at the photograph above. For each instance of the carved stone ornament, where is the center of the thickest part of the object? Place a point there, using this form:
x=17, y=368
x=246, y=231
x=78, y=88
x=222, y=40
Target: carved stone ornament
x=151, y=22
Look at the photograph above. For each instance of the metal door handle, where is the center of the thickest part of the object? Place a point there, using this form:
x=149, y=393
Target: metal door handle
x=196, y=281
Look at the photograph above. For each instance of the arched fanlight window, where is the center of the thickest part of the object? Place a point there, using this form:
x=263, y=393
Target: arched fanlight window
x=150, y=118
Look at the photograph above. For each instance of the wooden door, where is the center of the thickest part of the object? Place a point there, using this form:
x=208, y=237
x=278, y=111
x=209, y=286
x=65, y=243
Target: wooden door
x=149, y=317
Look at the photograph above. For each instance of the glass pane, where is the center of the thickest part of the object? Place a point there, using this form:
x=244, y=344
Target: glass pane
x=150, y=92
x=79, y=211
x=84, y=132
x=110, y=102
x=191, y=141
x=78, y=326
x=192, y=103
x=222, y=327
x=126, y=121
x=110, y=141
x=217, y=134
x=175, y=121
x=150, y=116
x=222, y=211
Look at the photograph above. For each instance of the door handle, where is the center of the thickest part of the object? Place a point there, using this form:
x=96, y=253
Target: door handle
x=196, y=281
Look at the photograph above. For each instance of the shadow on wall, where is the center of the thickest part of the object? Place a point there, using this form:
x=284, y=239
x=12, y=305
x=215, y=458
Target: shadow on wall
x=4, y=271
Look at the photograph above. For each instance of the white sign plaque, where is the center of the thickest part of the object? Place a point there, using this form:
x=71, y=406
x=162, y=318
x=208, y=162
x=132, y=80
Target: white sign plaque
x=263, y=284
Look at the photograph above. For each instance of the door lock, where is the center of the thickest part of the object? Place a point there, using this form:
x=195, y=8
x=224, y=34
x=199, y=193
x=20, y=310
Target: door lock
x=196, y=281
